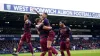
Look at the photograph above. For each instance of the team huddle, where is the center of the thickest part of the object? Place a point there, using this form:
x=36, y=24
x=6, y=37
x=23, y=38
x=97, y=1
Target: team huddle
x=46, y=35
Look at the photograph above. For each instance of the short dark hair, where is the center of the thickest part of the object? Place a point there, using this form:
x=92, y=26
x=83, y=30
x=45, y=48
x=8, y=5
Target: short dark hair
x=45, y=13
x=63, y=21
x=37, y=20
x=27, y=15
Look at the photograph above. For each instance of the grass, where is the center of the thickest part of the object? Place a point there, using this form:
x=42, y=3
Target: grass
x=73, y=53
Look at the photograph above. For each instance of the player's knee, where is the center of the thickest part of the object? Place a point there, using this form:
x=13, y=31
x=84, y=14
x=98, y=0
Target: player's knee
x=44, y=52
x=20, y=42
x=49, y=50
x=48, y=46
x=61, y=50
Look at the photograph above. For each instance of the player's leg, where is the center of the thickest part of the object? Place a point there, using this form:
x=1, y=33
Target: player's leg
x=54, y=51
x=31, y=48
x=20, y=45
x=28, y=39
x=62, y=48
x=68, y=52
x=43, y=44
x=49, y=43
x=21, y=42
x=49, y=48
x=68, y=48
x=62, y=53
x=43, y=53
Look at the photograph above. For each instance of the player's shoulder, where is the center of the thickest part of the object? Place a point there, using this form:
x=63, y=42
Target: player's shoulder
x=45, y=19
x=29, y=21
x=67, y=27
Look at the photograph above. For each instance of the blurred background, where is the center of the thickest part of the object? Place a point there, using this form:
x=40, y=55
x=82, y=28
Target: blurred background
x=85, y=32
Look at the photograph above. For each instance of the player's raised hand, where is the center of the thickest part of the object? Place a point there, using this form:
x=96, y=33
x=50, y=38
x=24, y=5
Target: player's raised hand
x=34, y=10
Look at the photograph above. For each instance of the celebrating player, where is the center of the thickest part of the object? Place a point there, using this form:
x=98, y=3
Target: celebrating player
x=26, y=36
x=64, y=35
x=44, y=31
x=50, y=34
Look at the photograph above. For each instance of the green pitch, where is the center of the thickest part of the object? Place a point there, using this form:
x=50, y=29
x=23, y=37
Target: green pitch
x=73, y=53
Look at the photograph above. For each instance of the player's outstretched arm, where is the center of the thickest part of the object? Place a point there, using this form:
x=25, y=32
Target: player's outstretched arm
x=37, y=31
x=38, y=26
x=36, y=12
x=38, y=15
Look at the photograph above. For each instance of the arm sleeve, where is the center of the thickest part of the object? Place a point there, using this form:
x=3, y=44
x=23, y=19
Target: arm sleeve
x=38, y=26
x=28, y=24
x=46, y=22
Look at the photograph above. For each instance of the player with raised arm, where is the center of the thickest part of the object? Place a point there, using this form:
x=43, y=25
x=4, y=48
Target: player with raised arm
x=26, y=36
x=51, y=34
x=64, y=34
x=43, y=33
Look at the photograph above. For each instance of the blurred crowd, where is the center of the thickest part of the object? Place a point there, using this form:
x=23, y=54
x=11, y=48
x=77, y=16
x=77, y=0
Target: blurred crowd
x=85, y=44
x=6, y=46
x=9, y=46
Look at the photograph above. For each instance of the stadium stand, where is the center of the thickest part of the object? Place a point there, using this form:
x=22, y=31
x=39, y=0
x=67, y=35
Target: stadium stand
x=12, y=24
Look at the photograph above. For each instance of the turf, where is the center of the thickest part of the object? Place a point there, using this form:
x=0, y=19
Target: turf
x=73, y=53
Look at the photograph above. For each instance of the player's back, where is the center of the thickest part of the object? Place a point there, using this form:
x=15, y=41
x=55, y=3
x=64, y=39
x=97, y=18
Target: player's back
x=27, y=26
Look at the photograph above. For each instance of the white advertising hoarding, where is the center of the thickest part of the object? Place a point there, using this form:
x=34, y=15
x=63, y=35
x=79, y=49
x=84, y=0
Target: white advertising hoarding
x=67, y=8
x=77, y=5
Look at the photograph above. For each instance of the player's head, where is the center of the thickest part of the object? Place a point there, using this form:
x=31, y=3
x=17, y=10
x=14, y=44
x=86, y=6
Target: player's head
x=62, y=23
x=44, y=15
x=38, y=20
x=26, y=16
